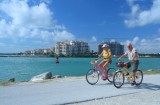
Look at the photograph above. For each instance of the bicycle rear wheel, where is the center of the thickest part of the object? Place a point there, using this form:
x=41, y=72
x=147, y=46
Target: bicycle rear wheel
x=118, y=79
x=110, y=74
x=139, y=77
x=92, y=76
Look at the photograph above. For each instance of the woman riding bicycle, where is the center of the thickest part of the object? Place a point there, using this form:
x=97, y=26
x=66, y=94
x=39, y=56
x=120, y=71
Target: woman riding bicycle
x=107, y=59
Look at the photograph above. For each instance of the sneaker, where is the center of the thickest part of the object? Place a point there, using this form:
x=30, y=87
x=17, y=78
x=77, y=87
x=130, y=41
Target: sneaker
x=105, y=78
x=133, y=83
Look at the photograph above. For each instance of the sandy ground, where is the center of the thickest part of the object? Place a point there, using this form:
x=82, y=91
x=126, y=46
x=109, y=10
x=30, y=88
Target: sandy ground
x=75, y=90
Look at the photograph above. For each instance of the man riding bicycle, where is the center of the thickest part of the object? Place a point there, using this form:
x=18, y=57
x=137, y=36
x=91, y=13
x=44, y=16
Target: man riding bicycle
x=107, y=59
x=133, y=61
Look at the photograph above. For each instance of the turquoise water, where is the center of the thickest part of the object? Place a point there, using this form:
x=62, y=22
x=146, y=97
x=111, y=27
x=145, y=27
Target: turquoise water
x=24, y=68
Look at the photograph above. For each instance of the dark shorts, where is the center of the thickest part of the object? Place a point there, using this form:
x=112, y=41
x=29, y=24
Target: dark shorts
x=108, y=61
x=133, y=65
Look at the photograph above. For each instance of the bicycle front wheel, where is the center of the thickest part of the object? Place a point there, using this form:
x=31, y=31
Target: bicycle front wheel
x=92, y=76
x=139, y=77
x=110, y=74
x=118, y=79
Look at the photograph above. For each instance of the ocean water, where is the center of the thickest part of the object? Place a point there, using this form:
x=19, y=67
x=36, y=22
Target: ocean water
x=24, y=68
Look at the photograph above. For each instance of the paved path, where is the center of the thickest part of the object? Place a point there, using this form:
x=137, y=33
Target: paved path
x=72, y=91
x=150, y=97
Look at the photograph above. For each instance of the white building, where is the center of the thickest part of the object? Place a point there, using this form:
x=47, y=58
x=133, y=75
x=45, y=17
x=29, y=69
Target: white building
x=46, y=51
x=74, y=47
x=52, y=49
x=34, y=52
x=63, y=48
x=79, y=47
x=28, y=52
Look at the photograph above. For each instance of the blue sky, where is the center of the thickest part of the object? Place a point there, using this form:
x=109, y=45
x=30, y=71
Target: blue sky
x=32, y=24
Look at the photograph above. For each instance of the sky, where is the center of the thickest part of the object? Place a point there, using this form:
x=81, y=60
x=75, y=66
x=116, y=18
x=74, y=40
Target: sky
x=39, y=24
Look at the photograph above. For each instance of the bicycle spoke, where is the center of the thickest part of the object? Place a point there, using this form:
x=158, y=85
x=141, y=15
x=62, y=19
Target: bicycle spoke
x=92, y=76
x=110, y=73
x=118, y=79
x=139, y=77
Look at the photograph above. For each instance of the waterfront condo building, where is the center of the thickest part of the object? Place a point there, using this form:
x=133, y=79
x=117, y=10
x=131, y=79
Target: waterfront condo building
x=72, y=48
x=63, y=48
x=47, y=51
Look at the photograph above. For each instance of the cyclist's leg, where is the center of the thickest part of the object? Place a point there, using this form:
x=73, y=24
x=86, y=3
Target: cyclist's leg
x=127, y=66
x=134, y=66
x=101, y=64
x=106, y=64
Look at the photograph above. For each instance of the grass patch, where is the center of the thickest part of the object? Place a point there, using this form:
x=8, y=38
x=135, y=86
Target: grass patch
x=151, y=72
x=5, y=83
x=43, y=81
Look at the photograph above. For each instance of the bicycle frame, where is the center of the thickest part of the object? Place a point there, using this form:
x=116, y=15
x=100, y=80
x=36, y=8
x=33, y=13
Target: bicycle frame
x=129, y=77
x=100, y=70
x=121, y=69
x=95, y=72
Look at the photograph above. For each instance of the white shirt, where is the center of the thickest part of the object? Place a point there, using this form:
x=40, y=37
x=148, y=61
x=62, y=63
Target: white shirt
x=130, y=54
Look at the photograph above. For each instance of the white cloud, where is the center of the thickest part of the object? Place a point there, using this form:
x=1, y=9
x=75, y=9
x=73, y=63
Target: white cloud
x=146, y=45
x=135, y=40
x=28, y=22
x=46, y=1
x=12, y=48
x=130, y=2
x=62, y=35
x=22, y=14
x=93, y=39
x=143, y=17
x=157, y=39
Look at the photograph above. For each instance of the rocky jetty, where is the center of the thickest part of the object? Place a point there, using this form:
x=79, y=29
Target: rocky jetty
x=11, y=80
x=57, y=76
x=43, y=76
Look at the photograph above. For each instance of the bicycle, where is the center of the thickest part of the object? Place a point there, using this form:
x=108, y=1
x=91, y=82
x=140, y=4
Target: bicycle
x=92, y=76
x=119, y=76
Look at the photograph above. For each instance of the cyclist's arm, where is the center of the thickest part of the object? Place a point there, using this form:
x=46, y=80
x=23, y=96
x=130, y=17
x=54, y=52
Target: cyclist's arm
x=124, y=55
x=100, y=56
